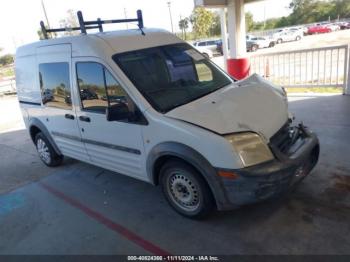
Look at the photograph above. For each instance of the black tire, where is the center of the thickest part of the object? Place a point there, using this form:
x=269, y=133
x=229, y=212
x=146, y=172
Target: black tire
x=254, y=48
x=193, y=197
x=206, y=55
x=46, y=152
x=279, y=41
x=297, y=38
x=272, y=44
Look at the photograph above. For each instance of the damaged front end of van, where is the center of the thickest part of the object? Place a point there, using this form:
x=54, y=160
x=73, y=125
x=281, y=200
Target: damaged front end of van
x=275, y=152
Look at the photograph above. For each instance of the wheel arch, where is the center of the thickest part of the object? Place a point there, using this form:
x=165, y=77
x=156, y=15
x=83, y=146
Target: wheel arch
x=172, y=150
x=35, y=126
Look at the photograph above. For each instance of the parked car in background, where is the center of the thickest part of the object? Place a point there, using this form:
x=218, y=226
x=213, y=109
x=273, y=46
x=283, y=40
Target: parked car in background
x=208, y=44
x=345, y=25
x=254, y=43
x=287, y=34
x=334, y=27
x=206, y=52
x=219, y=46
x=318, y=29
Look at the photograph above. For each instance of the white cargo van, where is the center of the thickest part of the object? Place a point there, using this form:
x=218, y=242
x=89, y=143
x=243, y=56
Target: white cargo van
x=145, y=104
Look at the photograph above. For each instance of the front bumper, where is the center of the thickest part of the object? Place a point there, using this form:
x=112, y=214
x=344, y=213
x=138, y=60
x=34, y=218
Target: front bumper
x=273, y=178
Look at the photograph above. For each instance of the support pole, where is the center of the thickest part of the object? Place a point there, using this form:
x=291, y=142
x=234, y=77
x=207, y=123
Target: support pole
x=43, y=30
x=236, y=28
x=238, y=64
x=347, y=78
x=224, y=35
x=81, y=22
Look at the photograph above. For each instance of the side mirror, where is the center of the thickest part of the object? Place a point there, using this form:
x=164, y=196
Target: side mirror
x=117, y=112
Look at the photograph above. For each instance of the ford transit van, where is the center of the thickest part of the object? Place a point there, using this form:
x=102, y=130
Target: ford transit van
x=149, y=106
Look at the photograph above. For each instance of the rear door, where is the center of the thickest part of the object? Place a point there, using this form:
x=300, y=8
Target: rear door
x=211, y=45
x=58, y=114
x=114, y=145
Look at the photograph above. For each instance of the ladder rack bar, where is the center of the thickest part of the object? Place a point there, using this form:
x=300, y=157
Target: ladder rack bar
x=86, y=25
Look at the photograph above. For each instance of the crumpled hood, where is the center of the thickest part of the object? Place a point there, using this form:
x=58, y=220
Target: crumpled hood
x=252, y=104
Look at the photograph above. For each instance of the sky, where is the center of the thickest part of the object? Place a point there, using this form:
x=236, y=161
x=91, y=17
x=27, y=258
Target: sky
x=20, y=19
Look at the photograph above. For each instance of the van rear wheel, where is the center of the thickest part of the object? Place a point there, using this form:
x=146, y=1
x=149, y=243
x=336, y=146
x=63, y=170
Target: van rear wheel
x=185, y=190
x=46, y=152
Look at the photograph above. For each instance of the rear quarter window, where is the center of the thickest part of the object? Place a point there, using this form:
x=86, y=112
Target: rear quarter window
x=55, y=85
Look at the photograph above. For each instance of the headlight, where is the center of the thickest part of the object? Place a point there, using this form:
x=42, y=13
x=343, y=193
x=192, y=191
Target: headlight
x=250, y=147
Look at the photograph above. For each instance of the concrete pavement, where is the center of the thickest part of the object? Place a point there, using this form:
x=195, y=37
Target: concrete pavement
x=81, y=209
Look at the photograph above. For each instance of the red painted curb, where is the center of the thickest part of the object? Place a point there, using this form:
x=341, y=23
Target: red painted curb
x=150, y=247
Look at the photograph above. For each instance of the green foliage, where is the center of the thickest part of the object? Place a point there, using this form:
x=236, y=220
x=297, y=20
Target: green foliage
x=215, y=28
x=183, y=25
x=304, y=12
x=6, y=72
x=6, y=59
x=249, y=22
x=202, y=21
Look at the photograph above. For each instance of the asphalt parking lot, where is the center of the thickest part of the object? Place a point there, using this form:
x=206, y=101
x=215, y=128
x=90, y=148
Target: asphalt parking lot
x=311, y=41
x=81, y=209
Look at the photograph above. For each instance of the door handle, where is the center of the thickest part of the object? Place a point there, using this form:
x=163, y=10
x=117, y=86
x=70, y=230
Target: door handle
x=84, y=118
x=69, y=116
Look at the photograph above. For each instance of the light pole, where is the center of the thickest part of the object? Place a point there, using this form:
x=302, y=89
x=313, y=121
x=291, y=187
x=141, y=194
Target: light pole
x=171, y=18
x=44, y=9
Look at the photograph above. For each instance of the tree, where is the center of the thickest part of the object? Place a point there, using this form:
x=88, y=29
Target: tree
x=6, y=59
x=69, y=22
x=215, y=28
x=249, y=22
x=304, y=12
x=310, y=11
x=341, y=8
x=201, y=20
x=183, y=25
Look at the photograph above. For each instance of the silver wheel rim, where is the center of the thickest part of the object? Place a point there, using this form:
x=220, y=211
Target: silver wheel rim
x=183, y=191
x=43, y=151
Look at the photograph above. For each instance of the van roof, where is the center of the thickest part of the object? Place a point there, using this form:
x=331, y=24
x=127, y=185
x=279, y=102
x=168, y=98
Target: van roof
x=107, y=43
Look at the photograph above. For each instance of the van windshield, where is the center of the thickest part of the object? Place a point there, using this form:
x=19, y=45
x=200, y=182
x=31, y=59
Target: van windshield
x=172, y=75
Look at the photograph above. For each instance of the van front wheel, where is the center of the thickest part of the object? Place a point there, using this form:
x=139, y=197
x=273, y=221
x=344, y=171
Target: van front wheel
x=46, y=152
x=185, y=190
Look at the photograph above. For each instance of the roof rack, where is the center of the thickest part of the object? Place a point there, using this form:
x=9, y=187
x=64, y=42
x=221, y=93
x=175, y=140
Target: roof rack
x=87, y=25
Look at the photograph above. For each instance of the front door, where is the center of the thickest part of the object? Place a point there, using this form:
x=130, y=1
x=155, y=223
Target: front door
x=54, y=64
x=114, y=145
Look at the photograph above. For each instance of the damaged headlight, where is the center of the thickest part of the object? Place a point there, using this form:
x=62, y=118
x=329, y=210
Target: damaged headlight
x=250, y=147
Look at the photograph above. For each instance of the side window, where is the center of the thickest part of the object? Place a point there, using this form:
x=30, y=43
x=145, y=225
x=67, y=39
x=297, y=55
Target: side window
x=99, y=89
x=91, y=85
x=202, y=44
x=115, y=92
x=54, y=85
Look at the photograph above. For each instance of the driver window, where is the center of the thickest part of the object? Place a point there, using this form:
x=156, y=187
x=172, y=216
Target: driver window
x=98, y=89
x=116, y=94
